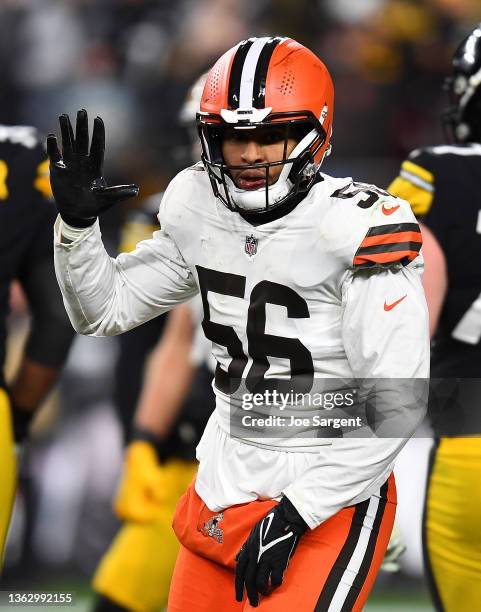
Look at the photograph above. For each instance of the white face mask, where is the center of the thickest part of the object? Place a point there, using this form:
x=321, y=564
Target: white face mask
x=255, y=200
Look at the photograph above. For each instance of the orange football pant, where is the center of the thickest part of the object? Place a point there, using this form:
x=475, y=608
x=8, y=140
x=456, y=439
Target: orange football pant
x=334, y=566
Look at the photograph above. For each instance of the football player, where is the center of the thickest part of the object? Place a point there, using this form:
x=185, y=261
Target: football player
x=304, y=278
x=442, y=185
x=27, y=214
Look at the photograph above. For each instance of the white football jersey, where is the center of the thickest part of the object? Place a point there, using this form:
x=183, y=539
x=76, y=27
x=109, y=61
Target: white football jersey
x=201, y=352
x=330, y=290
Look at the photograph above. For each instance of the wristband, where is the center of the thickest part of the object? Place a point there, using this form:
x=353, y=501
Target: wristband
x=145, y=435
x=78, y=223
x=292, y=516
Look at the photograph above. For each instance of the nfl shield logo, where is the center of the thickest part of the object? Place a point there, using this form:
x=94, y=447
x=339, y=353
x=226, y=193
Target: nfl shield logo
x=251, y=245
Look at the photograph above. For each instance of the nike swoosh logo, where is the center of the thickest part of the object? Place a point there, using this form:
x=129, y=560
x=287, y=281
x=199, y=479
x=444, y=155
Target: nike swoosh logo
x=388, y=307
x=389, y=211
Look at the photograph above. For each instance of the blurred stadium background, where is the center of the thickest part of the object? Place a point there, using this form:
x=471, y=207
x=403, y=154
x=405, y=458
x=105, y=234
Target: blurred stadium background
x=132, y=62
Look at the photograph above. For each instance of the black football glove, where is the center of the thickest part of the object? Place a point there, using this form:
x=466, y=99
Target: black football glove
x=264, y=557
x=79, y=189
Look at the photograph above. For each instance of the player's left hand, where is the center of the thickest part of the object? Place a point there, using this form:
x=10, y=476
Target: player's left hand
x=142, y=488
x=76, y=175
x=264, y=557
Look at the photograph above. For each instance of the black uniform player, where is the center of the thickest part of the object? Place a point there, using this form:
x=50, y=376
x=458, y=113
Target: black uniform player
x=442, y=185
x=26, y=219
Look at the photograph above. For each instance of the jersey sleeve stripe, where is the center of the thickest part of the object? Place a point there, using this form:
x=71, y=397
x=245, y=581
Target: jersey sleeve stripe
x=391, y=238
x=385, y=258
x=389, y=248
x=385, y=244
x=415, y=180
x=393, y=228
x=418, y=171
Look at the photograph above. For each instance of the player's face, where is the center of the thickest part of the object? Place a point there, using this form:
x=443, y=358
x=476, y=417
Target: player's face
x=256, y=146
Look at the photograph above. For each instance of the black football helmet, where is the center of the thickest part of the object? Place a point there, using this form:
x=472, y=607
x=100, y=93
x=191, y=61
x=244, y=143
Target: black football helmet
x=462, y=120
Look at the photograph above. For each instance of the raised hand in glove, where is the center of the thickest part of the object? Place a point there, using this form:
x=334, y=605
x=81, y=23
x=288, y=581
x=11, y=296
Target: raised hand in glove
x=265, y=555
x=142, y=487
x=79, y=189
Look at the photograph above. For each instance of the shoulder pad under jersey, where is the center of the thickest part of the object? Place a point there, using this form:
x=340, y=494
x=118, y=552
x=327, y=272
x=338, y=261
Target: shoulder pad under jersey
x=371, y=228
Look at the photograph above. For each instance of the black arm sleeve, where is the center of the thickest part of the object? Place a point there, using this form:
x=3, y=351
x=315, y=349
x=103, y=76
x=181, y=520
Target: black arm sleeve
x=51, y=332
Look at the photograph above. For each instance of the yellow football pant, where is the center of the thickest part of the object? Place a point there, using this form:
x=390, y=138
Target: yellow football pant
x=136, y=570
x=8, y=470
x=452, y=528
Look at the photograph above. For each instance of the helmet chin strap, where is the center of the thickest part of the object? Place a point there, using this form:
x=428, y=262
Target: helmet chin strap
x=256, y=199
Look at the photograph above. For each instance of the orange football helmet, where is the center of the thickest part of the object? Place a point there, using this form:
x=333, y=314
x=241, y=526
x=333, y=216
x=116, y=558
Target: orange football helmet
x=265, y=82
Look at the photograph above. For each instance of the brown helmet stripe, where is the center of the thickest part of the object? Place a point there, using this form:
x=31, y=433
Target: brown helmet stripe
x=236, y=73
x=260, y=77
